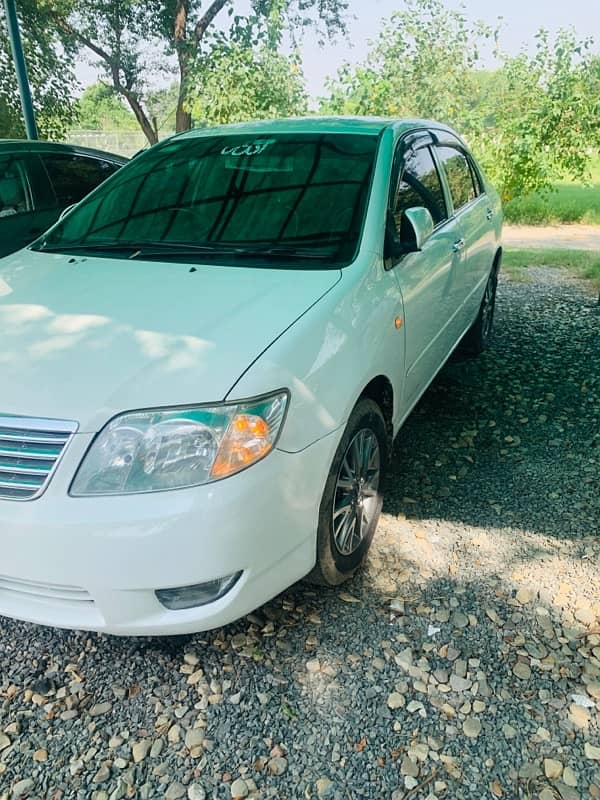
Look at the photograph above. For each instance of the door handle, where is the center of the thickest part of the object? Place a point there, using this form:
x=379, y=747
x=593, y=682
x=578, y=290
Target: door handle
x=489, y=214
x=458, y=245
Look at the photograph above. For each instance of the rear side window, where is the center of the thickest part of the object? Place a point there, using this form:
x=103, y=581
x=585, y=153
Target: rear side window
x=73, y=176
x=419, y=185
x=14, y=192
x=463, y=185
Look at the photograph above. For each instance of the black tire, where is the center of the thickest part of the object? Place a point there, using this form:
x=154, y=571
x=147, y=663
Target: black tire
x=336, y=563
x=477, y=338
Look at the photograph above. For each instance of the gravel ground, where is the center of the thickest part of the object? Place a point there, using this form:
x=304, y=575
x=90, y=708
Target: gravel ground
x=463, y=662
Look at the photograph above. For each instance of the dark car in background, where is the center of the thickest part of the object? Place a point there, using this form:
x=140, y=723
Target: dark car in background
x=38, y=180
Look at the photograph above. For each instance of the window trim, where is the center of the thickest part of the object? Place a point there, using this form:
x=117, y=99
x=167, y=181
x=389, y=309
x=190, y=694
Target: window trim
x=416, y=138
x=456, y=144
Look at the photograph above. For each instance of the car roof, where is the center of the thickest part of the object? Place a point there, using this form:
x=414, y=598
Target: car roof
x=332, y=124
x=41, y=146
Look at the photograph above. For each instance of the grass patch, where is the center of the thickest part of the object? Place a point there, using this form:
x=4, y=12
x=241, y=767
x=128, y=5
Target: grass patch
x=568, y=203
x=581, y=263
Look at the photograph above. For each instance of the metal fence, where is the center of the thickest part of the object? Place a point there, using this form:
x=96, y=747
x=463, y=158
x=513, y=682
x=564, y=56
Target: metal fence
x=124, y=143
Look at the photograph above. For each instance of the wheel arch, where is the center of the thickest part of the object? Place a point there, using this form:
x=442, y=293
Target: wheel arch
x=497, y=260
x=381, y=391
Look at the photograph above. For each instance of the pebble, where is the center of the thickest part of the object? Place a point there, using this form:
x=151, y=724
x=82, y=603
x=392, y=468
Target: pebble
x=277, y=766
x=591, y=751
x=40, y=755
x=324, y=787
x=409, y=767
x=525, y=596
x=102, y=775
x=175, y=791
x=100, y=708
x=569, y=777
x=156, y=749
x=239, y=789
x=552, y=769
x=21, y=788
x=593, y=689
x=4, y=741
x=194, y=738
x=522, y=670
x=459, y=620
x=140, y=750
x=472, y=727
x=579, y=716
x=396, y=700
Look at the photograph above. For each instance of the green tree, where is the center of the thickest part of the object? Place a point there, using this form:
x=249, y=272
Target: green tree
x=422, y=63
x=130, y=39
x=49, y=59
x=542, y=118
x=162, y=106
x=532, y=121
x=101, y=108
x=238, y=83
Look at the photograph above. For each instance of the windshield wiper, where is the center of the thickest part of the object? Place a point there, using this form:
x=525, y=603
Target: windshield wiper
x=285, y=252
x=94, y=247
x=173, y=249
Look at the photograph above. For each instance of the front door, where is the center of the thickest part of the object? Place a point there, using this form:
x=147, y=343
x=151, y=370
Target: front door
x=428, y=279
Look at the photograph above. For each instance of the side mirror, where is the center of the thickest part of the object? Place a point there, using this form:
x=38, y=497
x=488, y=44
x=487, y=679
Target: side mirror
x=66, y=210
x=422, y=224
x=415, y=229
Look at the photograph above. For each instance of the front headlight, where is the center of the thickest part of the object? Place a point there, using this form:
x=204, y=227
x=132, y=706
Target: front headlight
x=171, y=448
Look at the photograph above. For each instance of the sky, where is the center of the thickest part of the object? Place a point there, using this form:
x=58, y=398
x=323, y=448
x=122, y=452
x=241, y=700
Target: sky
x=520, y=20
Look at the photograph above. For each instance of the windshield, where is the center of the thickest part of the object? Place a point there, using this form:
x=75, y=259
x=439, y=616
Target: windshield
x=288, y=197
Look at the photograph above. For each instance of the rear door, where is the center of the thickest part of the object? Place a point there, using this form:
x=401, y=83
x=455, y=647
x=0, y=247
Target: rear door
x=17, y=213
x=473, y=210
x=427, y=279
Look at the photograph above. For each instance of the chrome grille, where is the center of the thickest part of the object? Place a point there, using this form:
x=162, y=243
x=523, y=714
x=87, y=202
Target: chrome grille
x=30, y=450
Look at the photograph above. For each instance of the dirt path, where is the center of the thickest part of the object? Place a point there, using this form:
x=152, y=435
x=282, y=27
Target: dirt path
x=572, y=237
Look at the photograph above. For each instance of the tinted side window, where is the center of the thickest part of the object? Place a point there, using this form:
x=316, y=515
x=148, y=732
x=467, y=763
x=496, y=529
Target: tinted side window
x=74, y=176
x=461, y=182
x=419, y=186
x=14, y=192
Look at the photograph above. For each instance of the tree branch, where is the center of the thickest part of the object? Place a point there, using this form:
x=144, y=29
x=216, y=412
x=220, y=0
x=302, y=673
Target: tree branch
x=207, y=18
x=64, y=25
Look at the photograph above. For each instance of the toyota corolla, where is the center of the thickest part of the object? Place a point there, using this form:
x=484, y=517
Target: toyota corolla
x=205, y=362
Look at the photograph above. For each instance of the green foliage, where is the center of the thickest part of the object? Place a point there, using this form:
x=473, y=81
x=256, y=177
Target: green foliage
x=236, y=83
x=162, y=105
x=568, y=202
x=546, y=119
x=49, y=58
x=100, y=108
x=531, y=122
x=421, y=65
x=131, y=40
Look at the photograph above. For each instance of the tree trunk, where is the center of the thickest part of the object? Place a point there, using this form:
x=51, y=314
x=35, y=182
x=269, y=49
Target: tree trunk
x=140, y=115
x=183, y=119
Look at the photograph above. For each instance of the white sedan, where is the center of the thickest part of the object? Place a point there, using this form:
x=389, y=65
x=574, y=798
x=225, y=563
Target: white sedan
x=205, y=362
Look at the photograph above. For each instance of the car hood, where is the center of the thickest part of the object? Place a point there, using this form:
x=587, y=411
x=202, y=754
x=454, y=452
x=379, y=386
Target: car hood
x=86, y=338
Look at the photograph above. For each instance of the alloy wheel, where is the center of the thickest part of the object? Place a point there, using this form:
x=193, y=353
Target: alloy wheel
x=356, y=491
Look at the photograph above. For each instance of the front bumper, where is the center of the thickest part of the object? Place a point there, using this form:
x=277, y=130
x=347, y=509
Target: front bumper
x=95, y=563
